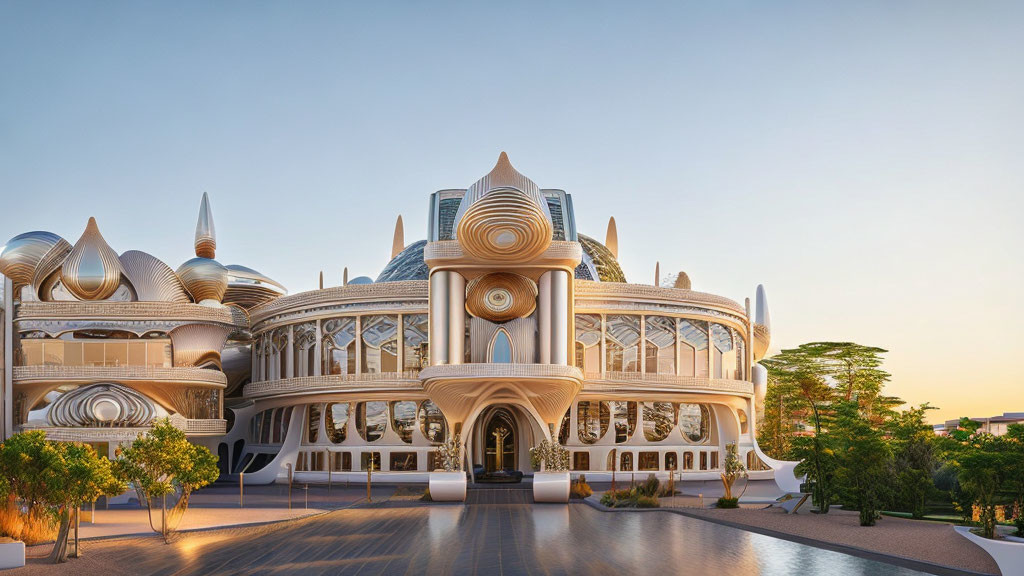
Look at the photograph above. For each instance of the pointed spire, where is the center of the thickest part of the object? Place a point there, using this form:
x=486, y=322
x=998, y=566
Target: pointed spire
x=761, y=314
x=206, y=234
x=503, y=174
x=611, y=238
x=398, y=243
x=344, y=277
x=321, y=279
x=657, y=273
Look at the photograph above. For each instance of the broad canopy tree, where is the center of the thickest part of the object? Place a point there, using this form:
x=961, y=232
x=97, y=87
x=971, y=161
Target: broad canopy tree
x=164, y=463
x=55, y=477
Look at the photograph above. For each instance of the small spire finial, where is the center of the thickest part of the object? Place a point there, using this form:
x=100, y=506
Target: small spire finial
x=611, y=238
x=657, y=273
x=206, y=234
x=344, y=277
x=321, y=279
x=398, y=242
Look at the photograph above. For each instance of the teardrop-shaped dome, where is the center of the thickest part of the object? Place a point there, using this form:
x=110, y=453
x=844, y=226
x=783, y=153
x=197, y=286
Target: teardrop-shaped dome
x=92, y=270
x=204, y=278
x=21, y=254
x=504, y=216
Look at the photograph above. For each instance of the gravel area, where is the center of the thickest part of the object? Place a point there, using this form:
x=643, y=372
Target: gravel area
x=932, y=542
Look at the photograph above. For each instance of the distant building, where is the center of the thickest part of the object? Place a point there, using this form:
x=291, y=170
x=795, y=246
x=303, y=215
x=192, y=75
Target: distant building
x=995, y=425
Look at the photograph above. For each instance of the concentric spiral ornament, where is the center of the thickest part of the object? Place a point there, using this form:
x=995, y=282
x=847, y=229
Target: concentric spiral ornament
x=504, y=216
x=205, y=279
x=501, y=297
x=102, y=405
x=153, y=280
x=92, y=271
x=21, y=254
x=48, y=270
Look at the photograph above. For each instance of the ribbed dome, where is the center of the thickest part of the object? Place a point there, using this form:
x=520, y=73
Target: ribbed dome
x=504, y=216
x=19, y=257
x=205, y=279
x=601, y=259
x=408, y=265
x=248, y=288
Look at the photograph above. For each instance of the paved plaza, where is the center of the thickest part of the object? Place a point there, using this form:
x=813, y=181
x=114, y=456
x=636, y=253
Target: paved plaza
x=495, y=532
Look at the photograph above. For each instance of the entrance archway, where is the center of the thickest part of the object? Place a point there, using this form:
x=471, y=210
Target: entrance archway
x=500, y=434
x=500, y=439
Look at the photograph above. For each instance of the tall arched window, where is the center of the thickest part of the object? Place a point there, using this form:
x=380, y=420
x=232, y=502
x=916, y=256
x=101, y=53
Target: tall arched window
x=501, y=348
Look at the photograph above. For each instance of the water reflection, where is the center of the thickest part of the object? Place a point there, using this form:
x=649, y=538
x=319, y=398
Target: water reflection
x=577, y=538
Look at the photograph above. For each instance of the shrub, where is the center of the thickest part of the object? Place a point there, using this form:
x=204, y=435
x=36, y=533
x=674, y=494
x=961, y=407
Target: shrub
x=580, y=488
x=724, y=502
x=646, y=502
x=649, y=487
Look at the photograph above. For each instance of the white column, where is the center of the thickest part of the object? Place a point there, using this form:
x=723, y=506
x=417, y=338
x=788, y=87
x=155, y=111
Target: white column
x=559, y=317
x=8, y=342
x=544, y=318
x=318, y=350
x=438, y=318
x=290, y=354
x=456, y=318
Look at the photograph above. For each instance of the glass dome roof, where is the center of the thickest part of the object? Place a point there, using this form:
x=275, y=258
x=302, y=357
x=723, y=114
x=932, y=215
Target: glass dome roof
x=408, y=265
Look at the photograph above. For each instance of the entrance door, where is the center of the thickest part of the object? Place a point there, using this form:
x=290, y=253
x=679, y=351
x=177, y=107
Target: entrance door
x=500, y=442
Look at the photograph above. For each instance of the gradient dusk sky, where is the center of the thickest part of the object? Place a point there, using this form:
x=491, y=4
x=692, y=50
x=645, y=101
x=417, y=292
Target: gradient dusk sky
x=862, y=160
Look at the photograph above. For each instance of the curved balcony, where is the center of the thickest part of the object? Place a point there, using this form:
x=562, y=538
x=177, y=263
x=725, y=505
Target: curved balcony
x=590, y=295
x=350, y=296
x=150, y=374
x=460, y=389
x=191, y=427
x=445, y=253
x=387, y=381
x=632, y=382
x=124, y=311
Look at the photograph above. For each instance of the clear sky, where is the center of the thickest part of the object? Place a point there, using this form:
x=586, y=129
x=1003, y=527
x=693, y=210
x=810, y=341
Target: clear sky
x=862, y=160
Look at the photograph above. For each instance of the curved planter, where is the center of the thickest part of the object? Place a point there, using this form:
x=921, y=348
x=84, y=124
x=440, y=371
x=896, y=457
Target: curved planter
x=1008, y=555
x=448, y=486
x=551, y=486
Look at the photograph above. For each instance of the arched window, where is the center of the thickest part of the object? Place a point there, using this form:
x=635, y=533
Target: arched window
x=304, y=353
x=588, y=343
x=501, y=348
x=403, y=419
x=625, y=421
x=371, y=420
x=724, y=353
x=336, y=422
x=660, y=349
x=622, y=344
x=693, y=348
x=592, y=419
x=432, y=422
x=380, y=344
x=339, y=346
x=659, y=419
x=694, y=422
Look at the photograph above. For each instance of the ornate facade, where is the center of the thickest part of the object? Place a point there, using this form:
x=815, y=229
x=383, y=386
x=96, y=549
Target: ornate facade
x=505, y=326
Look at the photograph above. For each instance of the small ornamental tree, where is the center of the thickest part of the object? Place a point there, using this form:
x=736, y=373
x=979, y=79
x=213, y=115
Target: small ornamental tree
x=864, y=462
x=732, y=470
x=449, y=454
x=55, y=477
x=164, y=463
x=981, y=473
x=549, y=456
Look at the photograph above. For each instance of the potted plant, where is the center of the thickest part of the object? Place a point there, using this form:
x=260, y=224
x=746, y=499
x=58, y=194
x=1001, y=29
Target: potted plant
x=448, y=483
x=551, y=480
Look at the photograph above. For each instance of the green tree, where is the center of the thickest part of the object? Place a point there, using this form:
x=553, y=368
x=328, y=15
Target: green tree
x=164, y=463
x=863, y=461
x=913, y=444
x=56, y=477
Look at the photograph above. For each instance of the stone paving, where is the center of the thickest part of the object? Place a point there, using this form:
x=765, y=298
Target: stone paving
x=496, y=532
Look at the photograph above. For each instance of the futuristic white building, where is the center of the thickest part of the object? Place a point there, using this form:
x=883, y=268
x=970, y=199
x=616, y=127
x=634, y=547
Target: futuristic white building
x=505, y=325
